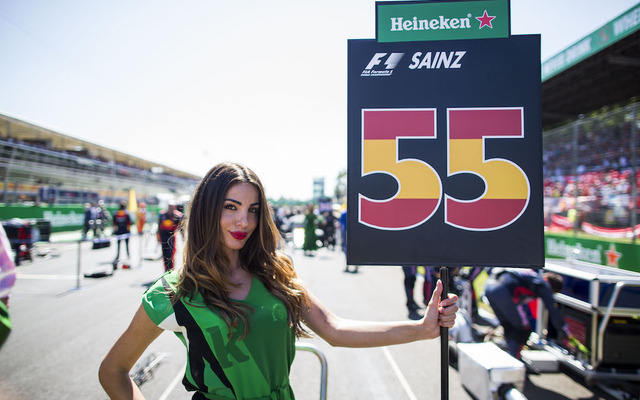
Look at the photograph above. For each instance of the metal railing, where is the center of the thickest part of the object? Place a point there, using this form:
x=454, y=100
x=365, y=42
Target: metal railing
x=323, y=366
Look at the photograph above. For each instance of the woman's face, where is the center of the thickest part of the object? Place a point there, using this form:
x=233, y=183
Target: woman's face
x=240, y=214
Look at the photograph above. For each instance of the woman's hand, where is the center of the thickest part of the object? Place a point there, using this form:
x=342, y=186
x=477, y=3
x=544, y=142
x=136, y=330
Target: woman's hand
x=114, y=369
x=439, y=313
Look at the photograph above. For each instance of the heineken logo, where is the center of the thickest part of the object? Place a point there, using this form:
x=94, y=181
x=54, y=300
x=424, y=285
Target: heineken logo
x=61, y=220
x=577, y=251
x=419, y=21
x=415, y=24
x=485, y=20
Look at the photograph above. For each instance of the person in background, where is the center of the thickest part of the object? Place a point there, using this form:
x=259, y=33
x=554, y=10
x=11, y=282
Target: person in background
x=509, y=290
x=238, y=305
x=279, y=218
x=90, y=215
x=168, y=223
x=328, y=226
x=102, y=218
x=122, y=228
x=343, y=239
x=310, y=225
x=7, y=280
x=410, y=278
x=141, y=216
x=470, y=274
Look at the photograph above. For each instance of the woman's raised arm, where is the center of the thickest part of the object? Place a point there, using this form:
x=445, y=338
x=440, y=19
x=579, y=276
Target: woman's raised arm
x=351, y=333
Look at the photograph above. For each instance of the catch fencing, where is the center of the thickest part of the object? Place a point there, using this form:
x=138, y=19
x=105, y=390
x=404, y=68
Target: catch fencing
x=590, y=178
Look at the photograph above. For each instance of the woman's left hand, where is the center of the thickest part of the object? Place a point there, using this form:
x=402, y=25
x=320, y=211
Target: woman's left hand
x=439, y=313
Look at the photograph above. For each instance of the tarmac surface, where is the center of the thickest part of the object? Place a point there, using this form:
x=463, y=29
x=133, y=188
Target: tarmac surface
x=68, y=307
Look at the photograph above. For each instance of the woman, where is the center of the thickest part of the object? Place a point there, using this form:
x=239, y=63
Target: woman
x=237, y=304
x=310, y=243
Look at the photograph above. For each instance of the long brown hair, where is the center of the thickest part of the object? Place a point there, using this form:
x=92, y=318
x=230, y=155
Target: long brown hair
x=206, y=265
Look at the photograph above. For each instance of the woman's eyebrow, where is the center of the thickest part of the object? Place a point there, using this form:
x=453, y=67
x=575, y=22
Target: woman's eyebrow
x=240, y=203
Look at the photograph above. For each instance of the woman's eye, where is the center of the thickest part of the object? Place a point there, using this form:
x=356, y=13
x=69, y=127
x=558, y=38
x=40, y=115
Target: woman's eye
x=230, y=207
x=254, y=210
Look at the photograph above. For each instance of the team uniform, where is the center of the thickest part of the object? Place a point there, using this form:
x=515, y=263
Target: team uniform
x=509, y=293
x=410, y=277
x=90, y=216
x=167, y=225
x=219, y=368
x=141, y=217
x=122, y=226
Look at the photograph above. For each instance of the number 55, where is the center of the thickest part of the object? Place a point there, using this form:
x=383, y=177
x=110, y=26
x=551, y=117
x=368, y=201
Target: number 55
x=507, y=189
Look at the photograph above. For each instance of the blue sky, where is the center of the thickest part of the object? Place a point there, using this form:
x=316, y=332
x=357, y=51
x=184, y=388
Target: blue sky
x=195, y=82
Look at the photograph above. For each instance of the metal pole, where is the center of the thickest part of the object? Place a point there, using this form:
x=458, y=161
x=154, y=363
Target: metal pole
x=444, y=340
x=576, y=128
x=78, y=268
x=5, y=194
x=605, y=318
x=141, y=237
x=634, y=185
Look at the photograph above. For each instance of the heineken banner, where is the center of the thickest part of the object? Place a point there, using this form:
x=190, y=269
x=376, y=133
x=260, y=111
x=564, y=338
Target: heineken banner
x=398, y=21
x=602, y=252
x=444, y=153
x=63, y=217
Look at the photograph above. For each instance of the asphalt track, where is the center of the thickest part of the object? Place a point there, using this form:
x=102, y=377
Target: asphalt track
x=63, y=327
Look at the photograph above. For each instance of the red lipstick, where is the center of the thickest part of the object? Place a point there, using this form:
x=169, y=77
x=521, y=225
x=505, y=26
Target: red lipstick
x=239, y=235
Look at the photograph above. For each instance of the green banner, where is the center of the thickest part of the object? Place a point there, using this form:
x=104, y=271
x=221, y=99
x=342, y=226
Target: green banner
x=620, y=27
x=424, y=21
x=63, y=218
x=612, y=254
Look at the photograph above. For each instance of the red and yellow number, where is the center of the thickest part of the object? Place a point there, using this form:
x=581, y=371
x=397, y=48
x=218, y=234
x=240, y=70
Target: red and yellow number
x=419, y=187
x=507, y=188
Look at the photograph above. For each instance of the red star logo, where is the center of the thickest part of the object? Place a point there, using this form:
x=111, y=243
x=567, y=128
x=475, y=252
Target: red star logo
x=612, y=256
x=485, y=20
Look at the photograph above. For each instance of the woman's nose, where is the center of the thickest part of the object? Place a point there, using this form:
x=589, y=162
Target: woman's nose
x=243, y=219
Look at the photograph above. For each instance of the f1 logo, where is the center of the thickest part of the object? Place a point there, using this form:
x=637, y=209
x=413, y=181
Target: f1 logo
x=392, y=60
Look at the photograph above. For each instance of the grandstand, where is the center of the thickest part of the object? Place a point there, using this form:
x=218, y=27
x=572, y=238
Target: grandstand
x=599, y=71
x=590, y=107
x=42, y=166
x=590, y=114
x=588, y=166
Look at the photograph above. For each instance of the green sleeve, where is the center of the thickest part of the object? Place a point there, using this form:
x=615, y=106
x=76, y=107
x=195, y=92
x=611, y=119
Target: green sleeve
x=156, y=300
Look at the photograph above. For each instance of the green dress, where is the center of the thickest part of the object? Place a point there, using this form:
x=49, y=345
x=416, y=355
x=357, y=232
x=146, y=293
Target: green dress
x=310, y=237
x=254, y=368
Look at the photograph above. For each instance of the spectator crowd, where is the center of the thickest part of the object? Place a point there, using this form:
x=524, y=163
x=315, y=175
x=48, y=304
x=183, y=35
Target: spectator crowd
x=594, y=178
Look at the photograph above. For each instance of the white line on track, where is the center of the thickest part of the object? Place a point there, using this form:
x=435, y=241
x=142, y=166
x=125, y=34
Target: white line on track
x=174, y=382
x=398, y=373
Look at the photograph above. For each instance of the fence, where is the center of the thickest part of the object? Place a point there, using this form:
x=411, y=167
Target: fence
x=590, y=180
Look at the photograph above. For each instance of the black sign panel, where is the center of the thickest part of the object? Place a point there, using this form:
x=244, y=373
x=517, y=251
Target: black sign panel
x=445, y=153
